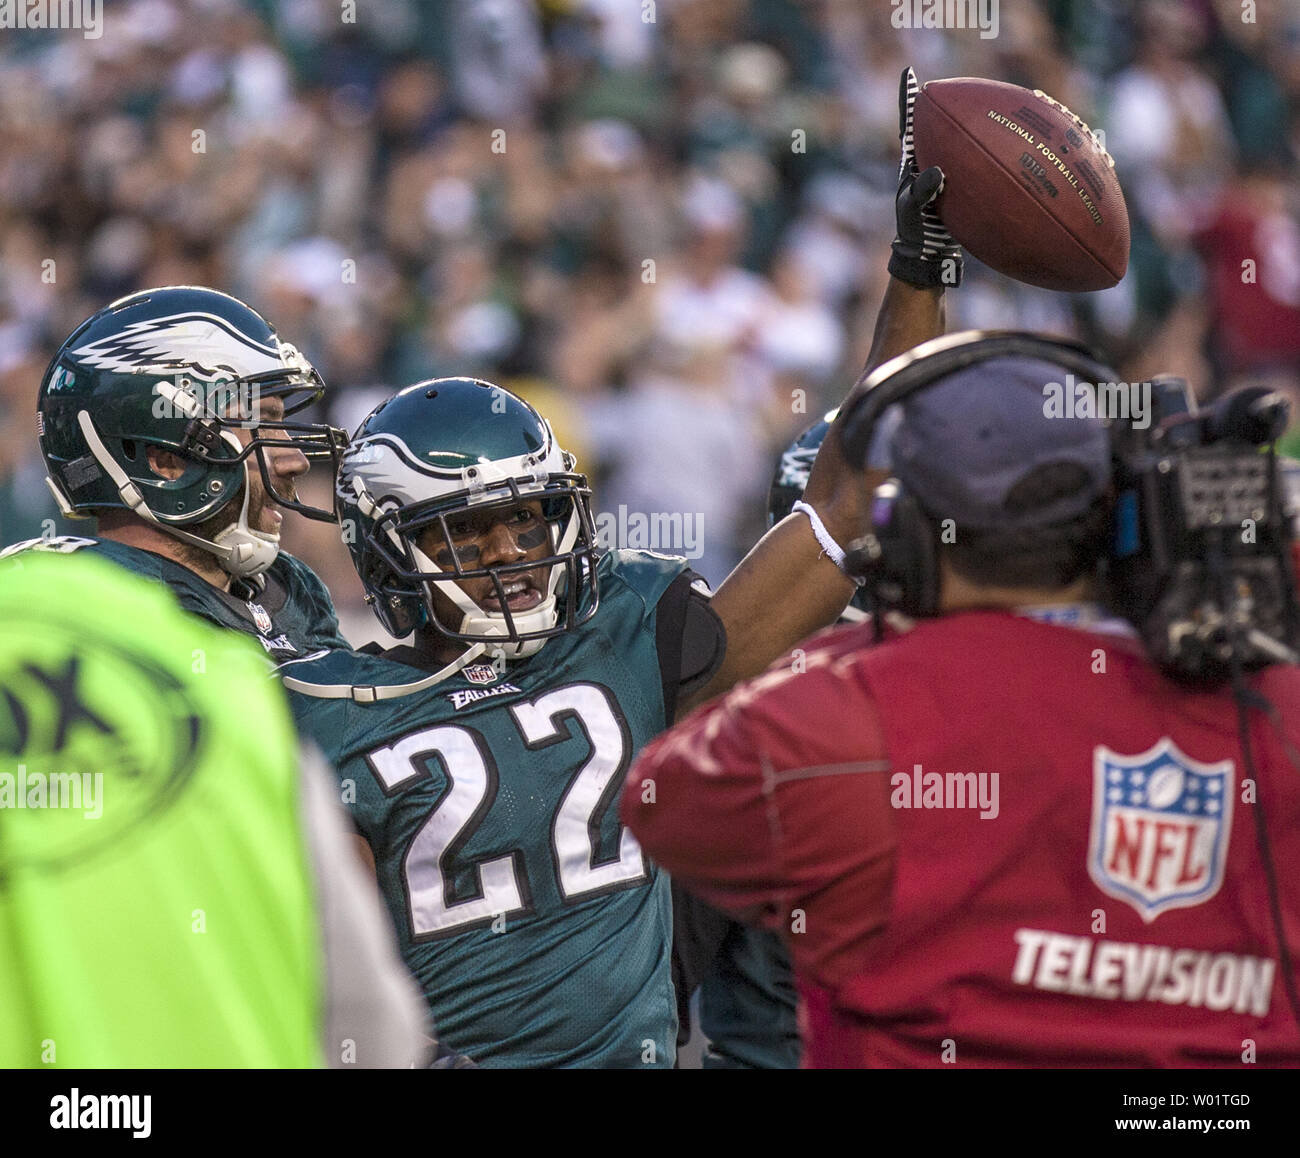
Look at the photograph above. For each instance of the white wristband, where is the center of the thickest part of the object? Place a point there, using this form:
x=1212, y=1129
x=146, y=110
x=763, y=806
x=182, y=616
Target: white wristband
x=830, y=548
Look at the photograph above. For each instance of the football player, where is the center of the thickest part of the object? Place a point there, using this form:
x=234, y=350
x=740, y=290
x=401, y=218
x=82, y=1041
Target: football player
x=485, y=792
x=790, y=480
x=163, y=416
x=482, y=761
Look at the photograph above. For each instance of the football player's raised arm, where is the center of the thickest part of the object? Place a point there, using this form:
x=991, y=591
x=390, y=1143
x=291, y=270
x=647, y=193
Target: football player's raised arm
x=924, y=258
x=787, y=587
x=909, y=315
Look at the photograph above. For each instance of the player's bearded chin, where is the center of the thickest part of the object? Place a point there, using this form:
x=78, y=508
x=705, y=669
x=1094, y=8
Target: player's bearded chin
x=260, y=504
x=196, y=558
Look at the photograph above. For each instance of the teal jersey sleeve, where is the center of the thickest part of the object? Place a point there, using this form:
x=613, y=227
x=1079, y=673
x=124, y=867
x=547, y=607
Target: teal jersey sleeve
x=538, y=930
x=290, y=613
x=646, y=574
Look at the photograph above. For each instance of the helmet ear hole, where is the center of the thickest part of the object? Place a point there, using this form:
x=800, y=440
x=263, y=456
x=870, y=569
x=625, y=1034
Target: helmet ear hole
x=129, y=448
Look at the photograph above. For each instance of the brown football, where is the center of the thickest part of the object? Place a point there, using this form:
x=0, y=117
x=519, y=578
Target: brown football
x=1027, y=188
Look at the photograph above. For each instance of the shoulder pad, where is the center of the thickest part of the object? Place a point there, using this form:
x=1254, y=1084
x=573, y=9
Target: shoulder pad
x=294, y=566
x=648, y=573
x=330, y=666
x=294, y=572
x=308, y=590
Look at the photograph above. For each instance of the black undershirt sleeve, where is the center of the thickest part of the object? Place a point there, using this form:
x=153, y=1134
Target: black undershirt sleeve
x=692, y=643
x=690, y=639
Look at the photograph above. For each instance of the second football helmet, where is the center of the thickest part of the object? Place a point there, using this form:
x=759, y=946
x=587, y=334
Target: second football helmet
x=179, y=368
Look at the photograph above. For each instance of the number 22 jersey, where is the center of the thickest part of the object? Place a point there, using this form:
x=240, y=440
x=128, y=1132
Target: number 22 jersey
x=538, y=931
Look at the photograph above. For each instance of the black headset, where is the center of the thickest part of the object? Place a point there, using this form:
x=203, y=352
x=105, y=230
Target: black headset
x=897, y=557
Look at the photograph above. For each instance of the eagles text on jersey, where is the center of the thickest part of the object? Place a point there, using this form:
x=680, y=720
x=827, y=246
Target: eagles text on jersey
x=539, y=932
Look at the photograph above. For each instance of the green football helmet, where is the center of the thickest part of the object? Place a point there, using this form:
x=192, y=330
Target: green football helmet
x=180, y=368
x=442, y=448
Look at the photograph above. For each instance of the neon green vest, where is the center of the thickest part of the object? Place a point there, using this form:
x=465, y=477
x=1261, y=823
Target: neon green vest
x=156, y=908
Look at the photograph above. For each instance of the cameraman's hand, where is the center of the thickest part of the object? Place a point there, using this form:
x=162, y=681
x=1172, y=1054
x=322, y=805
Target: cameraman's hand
x=924, y=254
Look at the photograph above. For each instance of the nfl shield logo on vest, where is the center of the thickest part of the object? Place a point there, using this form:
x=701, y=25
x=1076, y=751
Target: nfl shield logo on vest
x=481, y=673
x=1160, y=827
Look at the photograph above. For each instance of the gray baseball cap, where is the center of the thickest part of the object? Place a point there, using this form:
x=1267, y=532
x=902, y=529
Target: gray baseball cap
x=966, y=441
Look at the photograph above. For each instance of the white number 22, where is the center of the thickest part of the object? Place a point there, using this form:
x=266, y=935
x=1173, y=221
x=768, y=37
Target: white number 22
x=502, y=882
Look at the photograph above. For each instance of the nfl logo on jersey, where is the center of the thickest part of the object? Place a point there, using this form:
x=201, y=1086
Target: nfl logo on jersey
x=260, y=617
x=480, y=673
x=1160, y=827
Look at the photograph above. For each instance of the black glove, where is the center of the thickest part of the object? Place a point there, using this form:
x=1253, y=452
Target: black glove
x=924, y=252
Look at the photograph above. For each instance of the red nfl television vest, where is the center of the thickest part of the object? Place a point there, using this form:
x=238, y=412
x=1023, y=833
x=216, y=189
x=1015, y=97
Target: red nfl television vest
x=1078, y=878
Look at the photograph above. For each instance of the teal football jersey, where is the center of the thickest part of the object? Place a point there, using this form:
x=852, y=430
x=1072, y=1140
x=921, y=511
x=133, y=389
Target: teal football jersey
x=538, y=930
x=289, y=613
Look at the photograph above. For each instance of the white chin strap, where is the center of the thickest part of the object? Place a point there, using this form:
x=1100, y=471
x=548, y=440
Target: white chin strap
x=241, y=551
x=490, y=625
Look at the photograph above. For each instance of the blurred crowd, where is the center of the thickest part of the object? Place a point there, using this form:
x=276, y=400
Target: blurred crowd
x=664, y=223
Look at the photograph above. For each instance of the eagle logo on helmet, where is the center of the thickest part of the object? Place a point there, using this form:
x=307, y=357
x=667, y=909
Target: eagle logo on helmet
x=206, y=345
x=179, y=369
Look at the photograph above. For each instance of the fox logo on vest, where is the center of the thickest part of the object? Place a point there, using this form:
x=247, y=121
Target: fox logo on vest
x=1160, y=827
